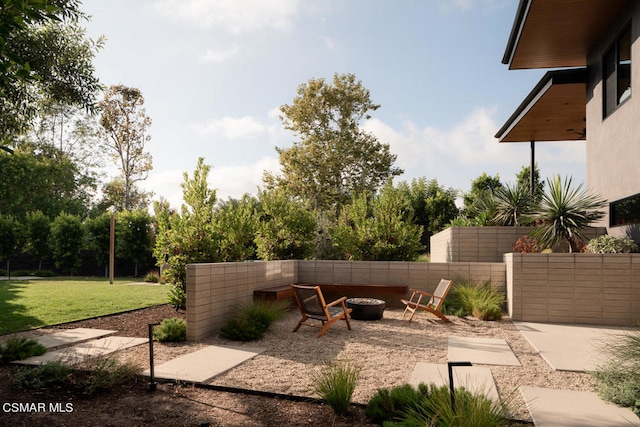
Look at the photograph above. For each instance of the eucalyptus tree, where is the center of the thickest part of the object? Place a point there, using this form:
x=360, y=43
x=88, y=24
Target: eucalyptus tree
x=125, y=126
x=333, y=157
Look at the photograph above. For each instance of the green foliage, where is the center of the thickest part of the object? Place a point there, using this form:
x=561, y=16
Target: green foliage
x=99, y=375
x=388, y=405
x=433, y=205
x=42, y=179
x=481, y=300
x=114, y=197
x=335, y=383
x=187, y=237
x=235, y=223
x=514, y=205
x=564, y=211
x=334, y=157
x=618, y=381
x=178, y=297
x=20, y=348
x=37, y=228
x=125, y=126
x=134, y=237
x=67, y=236
x=471, y=410
x=9, y=230
x=253, y=320
x=171, y=330
x=607, y=244
x=152, y=277
x=482, y=190
x=99, y=237
x=378, y=228
x=286, y=227
x=523, y=179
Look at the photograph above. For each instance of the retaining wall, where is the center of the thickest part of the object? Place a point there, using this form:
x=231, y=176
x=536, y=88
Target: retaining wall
x=484, y=244
x=596, y=289
x=214, y=291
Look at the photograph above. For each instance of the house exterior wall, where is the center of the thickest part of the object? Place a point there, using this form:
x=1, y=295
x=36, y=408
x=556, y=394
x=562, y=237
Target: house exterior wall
x=592, y=289
x=613, y=143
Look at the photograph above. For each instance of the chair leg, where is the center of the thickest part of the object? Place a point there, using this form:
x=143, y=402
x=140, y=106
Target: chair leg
x=304, y=317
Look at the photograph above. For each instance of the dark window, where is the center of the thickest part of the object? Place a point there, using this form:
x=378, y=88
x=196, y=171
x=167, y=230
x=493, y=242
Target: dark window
x=616, y=70
x=625, y=211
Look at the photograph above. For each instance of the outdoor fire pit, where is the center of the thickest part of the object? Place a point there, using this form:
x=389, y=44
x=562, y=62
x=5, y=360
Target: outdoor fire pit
x=366, y=308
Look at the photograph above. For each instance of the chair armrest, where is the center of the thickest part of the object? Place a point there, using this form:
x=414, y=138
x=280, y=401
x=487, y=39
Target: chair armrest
x=338, y=301
x=425, y=293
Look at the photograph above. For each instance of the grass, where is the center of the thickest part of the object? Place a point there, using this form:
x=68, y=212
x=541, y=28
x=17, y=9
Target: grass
x=29, y=304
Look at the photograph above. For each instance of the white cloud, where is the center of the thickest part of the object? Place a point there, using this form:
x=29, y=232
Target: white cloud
x=220, y=55
x=233, y=129
x=234, y=181
x=234, y=16
x=458, y=155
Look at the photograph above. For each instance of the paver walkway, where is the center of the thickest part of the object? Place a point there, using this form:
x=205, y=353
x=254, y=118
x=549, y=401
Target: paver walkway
x=71, y=336
x=85, y=350
x=484, y=351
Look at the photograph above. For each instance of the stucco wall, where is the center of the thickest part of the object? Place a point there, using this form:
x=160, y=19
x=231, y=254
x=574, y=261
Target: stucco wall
x=574, y=288
x=613, y=143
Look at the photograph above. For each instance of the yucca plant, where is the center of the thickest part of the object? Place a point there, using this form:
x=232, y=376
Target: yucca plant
x=563, y=212
x=514, y=205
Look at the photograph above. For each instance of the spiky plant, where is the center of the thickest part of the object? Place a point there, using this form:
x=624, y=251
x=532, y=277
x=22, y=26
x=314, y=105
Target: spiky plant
x=514, y=205
x=564, y=211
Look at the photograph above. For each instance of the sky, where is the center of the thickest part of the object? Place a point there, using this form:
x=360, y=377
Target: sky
x=215, y=72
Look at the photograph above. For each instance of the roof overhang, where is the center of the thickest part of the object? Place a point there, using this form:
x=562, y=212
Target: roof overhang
x=555, y=110
x=558, y=33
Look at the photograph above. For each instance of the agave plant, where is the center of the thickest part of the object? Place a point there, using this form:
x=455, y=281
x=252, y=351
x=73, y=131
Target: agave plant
x=563, y=212
x=514, y=205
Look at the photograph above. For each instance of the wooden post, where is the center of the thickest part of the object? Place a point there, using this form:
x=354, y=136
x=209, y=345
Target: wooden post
x=112, y=247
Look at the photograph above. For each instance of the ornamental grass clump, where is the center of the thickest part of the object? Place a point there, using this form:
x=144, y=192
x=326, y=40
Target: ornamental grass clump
x=482, y=300
x=335, y=384
x=618, y=381
x=253, y=320
x=391, y=404
x=20, y=348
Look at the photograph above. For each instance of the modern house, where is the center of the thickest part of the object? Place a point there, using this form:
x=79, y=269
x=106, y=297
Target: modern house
x=590, y=93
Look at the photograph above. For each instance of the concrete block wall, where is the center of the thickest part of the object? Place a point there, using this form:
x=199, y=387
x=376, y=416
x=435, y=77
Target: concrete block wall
x=483, y=244
x=595, y=289
x=214, y=291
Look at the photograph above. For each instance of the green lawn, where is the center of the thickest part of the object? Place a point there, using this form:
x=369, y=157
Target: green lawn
x=29, y=304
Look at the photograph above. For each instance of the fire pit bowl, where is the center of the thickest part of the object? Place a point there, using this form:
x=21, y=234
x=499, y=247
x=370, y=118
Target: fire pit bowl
x=366, y=308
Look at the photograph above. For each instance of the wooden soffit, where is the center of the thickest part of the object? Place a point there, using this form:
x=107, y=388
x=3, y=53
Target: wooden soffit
x=555, y=110
x=558, y=33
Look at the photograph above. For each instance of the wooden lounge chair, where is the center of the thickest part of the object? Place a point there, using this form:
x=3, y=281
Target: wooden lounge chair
x=431, y=302
x=312, y=306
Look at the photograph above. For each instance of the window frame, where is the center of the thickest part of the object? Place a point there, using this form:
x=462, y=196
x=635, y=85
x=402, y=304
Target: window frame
x=612, y=211
x=611, y=60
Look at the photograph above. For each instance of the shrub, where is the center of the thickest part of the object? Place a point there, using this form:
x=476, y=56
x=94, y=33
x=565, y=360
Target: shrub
x=619, y=380
x=526, y=244
x=387, y=405
x=152, y=277
x=171, y=330
x=20, y=348
x=611, y=245
x=101, y=374
x=335, y=384
x=178, y=297
x=49, y=375
x=480, y=300
x=471, y=409
x=253, y=320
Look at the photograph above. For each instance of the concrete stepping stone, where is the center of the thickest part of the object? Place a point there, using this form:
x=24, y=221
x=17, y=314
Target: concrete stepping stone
x=204, y=364
x=564, y=408
x=475, y=379
x=484, y=351
x=71, y=336
x=85, y=350
x=576, y=348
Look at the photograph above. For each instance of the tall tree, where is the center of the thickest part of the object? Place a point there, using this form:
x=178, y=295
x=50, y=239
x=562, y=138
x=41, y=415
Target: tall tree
x=125, y=127
x=44, y=53
x=37, y=230
x=480, y=197
x=524, y=181
x=134, y=236
x=114, y=197
x=333, y=157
